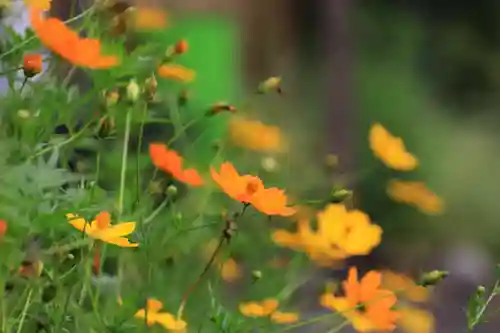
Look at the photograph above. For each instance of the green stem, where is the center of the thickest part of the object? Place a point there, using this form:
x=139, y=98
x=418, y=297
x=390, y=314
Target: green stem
x=25, y=311
x=123, y=172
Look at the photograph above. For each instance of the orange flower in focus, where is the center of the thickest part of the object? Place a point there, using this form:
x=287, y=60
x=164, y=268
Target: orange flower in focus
x=250, y=190
x=170, y=161
x=32, y=64
x=416, y=194
x=3, y=228
x=401, y=283
x=176, y=72
x=149, y=18
x=254, y=135
x=391, y=150
x=165, y=319
x=58, y=37
x=365, y=304
x=340, y=234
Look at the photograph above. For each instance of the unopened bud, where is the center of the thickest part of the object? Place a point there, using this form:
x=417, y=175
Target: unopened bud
x=179, y=217
x=271, y=84
x=221, y=107
x=256, y=275
x=133, y=91
x=269, y=164
x=150, y=86
x=181, y=47
x=340, y=195
x=24, y=114
x=480, y=291
x=172, y=191
x=112, y=98
x=432, y=278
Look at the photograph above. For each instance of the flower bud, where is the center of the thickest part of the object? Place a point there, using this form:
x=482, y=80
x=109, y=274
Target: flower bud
x=432, y=278
x=269, y=164
x=221, y=107
x=256, y=275
x=480, y=291
x=24, y=114
x=32, y=64
x=271, y=84
x=133, y=91
x=181, y=47
x=340, y=195
x=150, y=86
x=111, y=98
x=172, y=191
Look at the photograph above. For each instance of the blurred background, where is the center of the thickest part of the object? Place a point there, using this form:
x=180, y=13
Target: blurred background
x=429, y=71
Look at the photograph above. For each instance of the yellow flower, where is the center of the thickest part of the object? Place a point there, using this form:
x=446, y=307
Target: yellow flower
x=339, y=235
x=404, y=285
x=267, y=308
x=413, y=320
x=284, y=317
x=39, y=4
x=391, y=150
x=416, y=194
x=102, y=229
x=150, y=18
x=259, y=309
x=165, y=319
x=254, y=135
x=176, y=72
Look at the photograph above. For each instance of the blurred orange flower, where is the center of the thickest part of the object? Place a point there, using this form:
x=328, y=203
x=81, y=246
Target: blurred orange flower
x=165, y=319
x=250, y=190
x=149, y=18
x=170, y=161
x=176, y=72
x=181, y=47
x=230, y=270
x=254, y=135
x=101, y=229
x=391, y=150
x=3, y=228
x=267, y=308
x=39, y=4
x=414, y=320
x=416, y=194
x=405, y=285
x=339, y=235
x=58, y=37
x=365, y=304
x=32, y=64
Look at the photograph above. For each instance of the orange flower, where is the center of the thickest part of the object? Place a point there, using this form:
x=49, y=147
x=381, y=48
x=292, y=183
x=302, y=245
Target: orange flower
x=230, y=270
x=339, y=235
x=32, y=64
x=401, y=283
x=58, y=37
x=284, y=317
x=254, y=135
x=40, y=4
x=176, y=72
x=267, y=308
x=365, y=304
x=416, y=194
x=170, y=161
x=150, y=18
x=181, y=47
x=3, y=228
x=250, y=190
x=391, y=150
x=165, y=319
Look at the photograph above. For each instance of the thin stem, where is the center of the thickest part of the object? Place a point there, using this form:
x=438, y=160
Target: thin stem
x=123, y=172
x=23, y=84
x=340, y=326
x=25, y=311
x=139, y=151
x=193, y=286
